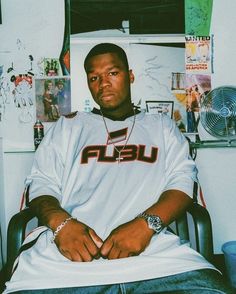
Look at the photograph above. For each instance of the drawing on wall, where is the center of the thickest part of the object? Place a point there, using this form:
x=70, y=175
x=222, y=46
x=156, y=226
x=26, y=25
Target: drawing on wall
x=23, y=96
x=4, y=92
x=198, y=54
x=159, y=75
x=53, y=98
x=198, y=17
x=155, y=106
x=16, y=87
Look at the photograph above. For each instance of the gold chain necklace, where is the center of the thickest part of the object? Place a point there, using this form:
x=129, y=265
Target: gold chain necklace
x=119, y=158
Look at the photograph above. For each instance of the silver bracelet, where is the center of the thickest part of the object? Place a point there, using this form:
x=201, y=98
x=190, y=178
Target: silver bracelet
x=60, y=227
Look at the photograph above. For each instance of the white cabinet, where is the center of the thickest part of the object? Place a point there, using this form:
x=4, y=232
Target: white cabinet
x=15, y=165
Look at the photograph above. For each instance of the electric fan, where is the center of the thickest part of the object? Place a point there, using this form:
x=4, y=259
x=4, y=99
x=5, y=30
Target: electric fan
x=218, y=112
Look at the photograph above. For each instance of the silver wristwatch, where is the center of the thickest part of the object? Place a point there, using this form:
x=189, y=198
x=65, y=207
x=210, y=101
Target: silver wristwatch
x=154, y=222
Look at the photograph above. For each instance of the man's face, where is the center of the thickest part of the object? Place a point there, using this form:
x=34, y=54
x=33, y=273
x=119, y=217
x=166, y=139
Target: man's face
x=49, y=86
x=109, y=81
x=60, y=86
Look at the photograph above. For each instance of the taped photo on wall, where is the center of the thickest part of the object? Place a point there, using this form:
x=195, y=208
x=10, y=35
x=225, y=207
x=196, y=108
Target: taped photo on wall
x=53, y=98
x=155, y=106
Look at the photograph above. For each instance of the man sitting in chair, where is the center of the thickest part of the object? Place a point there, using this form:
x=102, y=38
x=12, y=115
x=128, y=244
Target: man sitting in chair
x=106, y=184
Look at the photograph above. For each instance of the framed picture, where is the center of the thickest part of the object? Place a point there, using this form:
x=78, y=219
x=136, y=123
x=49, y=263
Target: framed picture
x=154, y=106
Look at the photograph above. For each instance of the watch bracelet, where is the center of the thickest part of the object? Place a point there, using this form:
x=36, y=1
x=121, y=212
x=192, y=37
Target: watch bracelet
x=146, y=216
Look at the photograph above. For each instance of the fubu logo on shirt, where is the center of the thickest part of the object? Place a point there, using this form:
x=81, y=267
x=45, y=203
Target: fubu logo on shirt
x=129, y=152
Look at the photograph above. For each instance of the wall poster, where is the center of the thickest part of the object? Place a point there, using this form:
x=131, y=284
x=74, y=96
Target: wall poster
x=53, y=98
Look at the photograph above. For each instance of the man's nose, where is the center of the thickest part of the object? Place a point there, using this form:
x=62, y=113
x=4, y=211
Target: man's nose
x=104, y=82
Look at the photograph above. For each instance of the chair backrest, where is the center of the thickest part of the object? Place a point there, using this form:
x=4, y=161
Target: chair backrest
x=15, y=236
x=195, y=226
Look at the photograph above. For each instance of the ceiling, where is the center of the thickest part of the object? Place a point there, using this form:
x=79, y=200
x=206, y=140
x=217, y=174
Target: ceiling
x=144, y=16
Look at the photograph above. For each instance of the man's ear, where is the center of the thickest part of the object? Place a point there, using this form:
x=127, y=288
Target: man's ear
x=131, y=76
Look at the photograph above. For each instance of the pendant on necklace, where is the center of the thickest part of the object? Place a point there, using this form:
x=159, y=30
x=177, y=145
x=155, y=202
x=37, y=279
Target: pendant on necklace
x=119, y=158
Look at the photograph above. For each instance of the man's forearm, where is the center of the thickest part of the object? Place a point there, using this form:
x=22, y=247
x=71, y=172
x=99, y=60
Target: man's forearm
x=49, y=211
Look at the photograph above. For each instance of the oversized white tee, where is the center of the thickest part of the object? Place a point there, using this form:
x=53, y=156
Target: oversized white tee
x=76, y=163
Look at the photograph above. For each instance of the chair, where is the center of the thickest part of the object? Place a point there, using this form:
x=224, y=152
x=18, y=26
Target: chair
x=200, y=219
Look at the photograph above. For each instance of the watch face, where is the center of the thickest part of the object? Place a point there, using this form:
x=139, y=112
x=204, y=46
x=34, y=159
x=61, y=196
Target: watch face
x=155, y=223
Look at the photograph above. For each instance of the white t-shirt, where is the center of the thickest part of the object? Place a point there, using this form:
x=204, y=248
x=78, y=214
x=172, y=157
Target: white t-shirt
x=76, y=163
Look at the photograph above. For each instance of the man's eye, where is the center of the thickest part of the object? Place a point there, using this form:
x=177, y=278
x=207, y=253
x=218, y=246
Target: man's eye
x=93, y=79
x=113, y=73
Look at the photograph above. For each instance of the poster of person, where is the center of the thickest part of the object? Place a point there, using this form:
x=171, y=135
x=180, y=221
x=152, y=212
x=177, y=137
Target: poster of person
x=53, y=98
x=198, y=54
x=155, y=106
x=197, y=86
x=189, y=98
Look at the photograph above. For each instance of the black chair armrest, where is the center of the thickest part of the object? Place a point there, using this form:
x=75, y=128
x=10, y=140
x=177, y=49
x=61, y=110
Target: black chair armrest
x=16, y=236
x=203, y=230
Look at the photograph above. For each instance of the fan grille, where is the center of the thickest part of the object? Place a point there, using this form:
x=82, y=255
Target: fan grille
x=218, y=112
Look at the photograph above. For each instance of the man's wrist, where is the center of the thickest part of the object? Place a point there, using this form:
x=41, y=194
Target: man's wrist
x=56, y=218
x=154, y=222
x=60, y=227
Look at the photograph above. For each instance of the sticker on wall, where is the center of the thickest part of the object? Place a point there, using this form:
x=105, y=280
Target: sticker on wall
x=53, y=98
x=87, y=105
x=52, y=67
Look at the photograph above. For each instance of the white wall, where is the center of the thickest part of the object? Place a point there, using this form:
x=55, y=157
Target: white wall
x=15, y=166
x=217, y=167
x=223, y=27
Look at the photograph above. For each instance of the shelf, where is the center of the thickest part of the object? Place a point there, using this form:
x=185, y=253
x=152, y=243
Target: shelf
x=213, y=144
x=18, y=151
